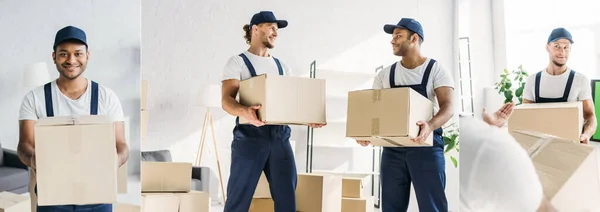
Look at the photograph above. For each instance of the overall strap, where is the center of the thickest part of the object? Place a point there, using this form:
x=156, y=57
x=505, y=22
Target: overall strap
x=568, y=86
x=248, y=64
x=48, y=99
x=94, y=102
x=278, y=66
x=538, y=76
x=393, y=75
x=427, y=72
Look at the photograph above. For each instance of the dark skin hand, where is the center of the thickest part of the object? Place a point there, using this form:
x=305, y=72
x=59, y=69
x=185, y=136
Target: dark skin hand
x=500, y=117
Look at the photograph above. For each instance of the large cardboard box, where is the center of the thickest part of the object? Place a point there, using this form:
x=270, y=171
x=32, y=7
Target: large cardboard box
x=166, y=176
x=262, y=205
x=10, y=202
x=194, y=201
x=285, y=99
x=387, y=117
x=352, y=187
x=568, y=171
x=358, y=204
x=319, y=193
x=76, y=160
x=564, y=120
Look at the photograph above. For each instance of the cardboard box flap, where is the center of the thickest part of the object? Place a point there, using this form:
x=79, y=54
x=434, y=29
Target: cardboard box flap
x=556, y=159
x=72, y=120
x=8, y=199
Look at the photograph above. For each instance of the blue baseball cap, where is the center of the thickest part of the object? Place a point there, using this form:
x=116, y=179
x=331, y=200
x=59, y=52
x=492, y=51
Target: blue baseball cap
x=267, y=17
x=69, y=33
x=559, y=33
x=406, y=23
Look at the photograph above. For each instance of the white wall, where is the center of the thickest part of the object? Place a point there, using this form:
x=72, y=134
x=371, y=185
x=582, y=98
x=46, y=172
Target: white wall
x=186, y=45
x=113, y=32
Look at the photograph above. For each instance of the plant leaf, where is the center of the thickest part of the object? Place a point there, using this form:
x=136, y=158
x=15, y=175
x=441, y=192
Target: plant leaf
x=454, y=161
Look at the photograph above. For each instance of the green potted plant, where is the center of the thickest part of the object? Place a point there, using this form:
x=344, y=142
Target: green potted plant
x=451, y=141
x=511, y=85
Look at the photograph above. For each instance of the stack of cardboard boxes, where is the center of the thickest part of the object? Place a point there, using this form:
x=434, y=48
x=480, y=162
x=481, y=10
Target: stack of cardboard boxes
x=567, y=169
x=10, y=202
x=166, y=188
x=353, y=198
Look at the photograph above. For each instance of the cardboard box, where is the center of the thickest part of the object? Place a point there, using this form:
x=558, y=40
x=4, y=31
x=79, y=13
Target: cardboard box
x=160, y=202
x=144, y=95
x=194, y=201
x=319, y=193
x=262, y=188
x=83, y=149
x=285, y=99
x=121, y=207
x=564, y=120
x=352, y=187
x=387, y=117
x=122, y=179
x=262, y=205
x=568, y=171
x=358, y=204
x=10, y=202
x=166, y=177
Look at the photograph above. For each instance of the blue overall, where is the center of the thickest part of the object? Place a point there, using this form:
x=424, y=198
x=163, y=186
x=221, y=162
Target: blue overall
x=423, y=166
x=257, y=149
x=50, y=113
x=565, y=96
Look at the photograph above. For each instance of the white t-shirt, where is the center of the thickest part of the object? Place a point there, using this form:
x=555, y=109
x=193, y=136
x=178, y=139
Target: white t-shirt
x=554, y=86
x=496, y=173
x=237, y=69
x=33, y=106
x=438, y=77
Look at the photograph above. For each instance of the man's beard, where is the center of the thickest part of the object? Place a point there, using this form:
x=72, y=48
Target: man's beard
x=558, y=64
x=268, y=45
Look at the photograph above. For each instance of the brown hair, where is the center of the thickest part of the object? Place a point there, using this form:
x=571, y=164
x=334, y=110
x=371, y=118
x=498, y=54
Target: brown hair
x=247, y=33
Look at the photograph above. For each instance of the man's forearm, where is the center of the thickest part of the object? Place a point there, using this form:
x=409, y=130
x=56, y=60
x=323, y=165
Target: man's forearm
x=123, y=153
x=25, y=153
x=589, y=126
x=233, y=107
x=441, y=117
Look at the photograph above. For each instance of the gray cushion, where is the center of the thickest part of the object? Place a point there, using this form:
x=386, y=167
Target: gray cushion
x=196, y=185
x=13, y=178
x=157, y=156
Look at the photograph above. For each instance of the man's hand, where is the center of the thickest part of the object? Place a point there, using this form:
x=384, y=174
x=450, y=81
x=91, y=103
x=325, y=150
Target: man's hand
x=363, y=143
x=423, y=132
x=250, y=114
x=500, y=117
x=585, y=139
x=316, y=125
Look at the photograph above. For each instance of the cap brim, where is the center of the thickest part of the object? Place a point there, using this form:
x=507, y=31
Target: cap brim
x=282, y=24
x=69, y=38
x=389, y=28
x=561, y=38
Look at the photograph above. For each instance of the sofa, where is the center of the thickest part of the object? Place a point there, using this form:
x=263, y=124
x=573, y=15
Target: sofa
x=200, y=175
x=14, y=175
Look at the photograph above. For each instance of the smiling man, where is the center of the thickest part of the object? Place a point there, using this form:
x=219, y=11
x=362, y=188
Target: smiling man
x=423, y=167
x=258, y=147
x=69, y=95
x=559, y=83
